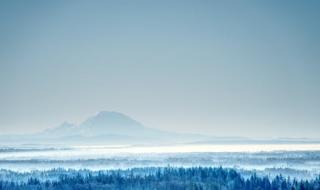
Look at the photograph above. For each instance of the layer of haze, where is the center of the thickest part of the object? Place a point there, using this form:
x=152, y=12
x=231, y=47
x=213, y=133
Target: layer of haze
x=225, y=68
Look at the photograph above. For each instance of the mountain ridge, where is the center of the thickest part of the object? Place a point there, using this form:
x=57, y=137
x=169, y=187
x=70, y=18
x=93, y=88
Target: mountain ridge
x=110, y=127
x=114, y=127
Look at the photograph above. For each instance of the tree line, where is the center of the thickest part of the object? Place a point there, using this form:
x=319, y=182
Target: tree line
x=196, y=178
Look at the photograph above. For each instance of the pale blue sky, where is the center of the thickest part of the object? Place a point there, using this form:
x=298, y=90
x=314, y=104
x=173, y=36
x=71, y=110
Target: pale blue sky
x=239, y=68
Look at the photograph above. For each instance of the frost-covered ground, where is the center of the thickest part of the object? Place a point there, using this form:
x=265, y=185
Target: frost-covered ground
x=294, y=160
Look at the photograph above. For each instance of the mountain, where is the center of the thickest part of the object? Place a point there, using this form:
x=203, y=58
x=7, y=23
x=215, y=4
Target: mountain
x=60, y=131
x=111, y=128
x=111, y=123
x=117, y=128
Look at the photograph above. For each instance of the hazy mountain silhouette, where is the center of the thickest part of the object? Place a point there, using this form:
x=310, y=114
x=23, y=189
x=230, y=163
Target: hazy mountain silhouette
x=117, y=128
x=111, y=123
x=60, y=131
x=112, y=127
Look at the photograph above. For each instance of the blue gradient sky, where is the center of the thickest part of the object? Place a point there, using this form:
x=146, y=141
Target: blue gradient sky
x=239, y=68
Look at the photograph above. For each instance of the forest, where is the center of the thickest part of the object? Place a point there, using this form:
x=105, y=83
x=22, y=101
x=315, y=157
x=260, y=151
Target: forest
x=196, y=178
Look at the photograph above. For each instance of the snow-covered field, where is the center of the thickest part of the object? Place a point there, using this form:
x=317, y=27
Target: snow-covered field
x=300, y=160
